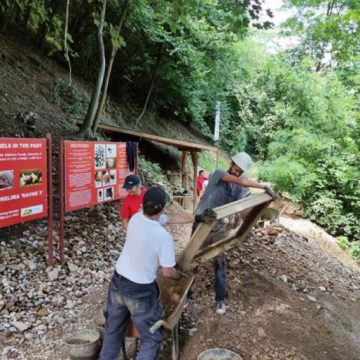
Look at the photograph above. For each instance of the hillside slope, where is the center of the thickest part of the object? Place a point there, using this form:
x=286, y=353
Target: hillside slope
x=32, y=82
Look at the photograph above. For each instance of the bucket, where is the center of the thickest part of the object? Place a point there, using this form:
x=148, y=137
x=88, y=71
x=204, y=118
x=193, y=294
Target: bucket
x=218, y=354
x=83, y=345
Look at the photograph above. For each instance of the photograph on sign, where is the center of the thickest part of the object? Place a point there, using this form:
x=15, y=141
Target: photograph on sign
x=100, y=195
x=100, y=156
x=111, y=156
x=98, y=178
x=6, y=179
x=112, y=174
x=30, y=177
x=109, y=193
x=37, y=209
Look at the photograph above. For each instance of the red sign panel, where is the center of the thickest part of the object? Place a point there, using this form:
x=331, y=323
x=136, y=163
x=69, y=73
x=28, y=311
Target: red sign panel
x=23, y=180
x=94, y=173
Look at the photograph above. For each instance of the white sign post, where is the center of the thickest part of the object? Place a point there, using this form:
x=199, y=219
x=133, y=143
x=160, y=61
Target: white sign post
x=217, y=131
x=217, y=122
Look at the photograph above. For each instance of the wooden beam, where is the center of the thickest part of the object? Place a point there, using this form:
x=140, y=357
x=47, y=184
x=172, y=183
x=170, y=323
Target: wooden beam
x=241, y=205
x=194, y=156
x=214, y=245
x=180, y=148
x=184, y=176
x=177, y=143
x=217, y=250
x=197, y=239
x=229, y=242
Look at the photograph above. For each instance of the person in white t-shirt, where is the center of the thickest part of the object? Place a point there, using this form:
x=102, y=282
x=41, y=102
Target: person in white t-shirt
x=133, y=291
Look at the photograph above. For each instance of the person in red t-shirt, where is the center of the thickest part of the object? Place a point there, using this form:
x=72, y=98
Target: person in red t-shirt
x=133, y=202
x=200, y=181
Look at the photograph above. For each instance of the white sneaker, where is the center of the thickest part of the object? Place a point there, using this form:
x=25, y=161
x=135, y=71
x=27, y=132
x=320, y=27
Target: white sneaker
x=220, y=308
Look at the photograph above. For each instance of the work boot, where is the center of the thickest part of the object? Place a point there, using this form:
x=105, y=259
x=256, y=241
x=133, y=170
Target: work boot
x=220, y=307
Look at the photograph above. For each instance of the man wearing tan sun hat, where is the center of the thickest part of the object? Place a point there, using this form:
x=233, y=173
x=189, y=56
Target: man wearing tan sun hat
x=224, y=187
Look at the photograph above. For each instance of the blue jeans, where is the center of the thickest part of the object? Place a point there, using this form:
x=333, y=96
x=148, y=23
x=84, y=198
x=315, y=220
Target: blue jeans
x=220, y=277
x=141, y=303
x=217, y=234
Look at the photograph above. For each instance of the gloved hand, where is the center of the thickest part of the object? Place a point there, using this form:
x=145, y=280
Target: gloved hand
x=207, y=216
x=271, y=192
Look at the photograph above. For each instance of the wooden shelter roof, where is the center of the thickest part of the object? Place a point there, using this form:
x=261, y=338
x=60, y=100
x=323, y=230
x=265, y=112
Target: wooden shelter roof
x=180, y=144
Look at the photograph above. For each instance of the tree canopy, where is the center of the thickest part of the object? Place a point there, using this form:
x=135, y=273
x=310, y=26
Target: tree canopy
x=296, y=111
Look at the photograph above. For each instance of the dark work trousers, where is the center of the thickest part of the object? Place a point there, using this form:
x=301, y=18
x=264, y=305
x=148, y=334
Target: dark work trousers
x=141, y=303
x=217, y=234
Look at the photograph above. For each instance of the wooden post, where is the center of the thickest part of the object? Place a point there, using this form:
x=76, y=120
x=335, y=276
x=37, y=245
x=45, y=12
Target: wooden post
x=184, y=156
x=194, y=156
x=61, y=199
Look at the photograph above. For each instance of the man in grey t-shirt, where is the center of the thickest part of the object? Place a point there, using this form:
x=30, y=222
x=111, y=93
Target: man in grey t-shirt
x=223, y=188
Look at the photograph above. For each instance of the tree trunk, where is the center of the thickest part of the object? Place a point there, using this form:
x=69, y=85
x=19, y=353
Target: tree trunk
x=329, y=12
x=151, y=86
x=87, y=124
x=66, y=47
x=109, y=70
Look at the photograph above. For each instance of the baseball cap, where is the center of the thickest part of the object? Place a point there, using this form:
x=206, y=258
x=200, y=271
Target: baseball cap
x=131, y=181
x=154, y=200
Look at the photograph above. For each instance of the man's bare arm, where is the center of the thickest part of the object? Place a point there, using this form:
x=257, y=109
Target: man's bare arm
x=248, y=183
x=243, y=182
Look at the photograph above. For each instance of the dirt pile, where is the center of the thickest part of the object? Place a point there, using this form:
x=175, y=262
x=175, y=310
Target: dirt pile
x=287, y=299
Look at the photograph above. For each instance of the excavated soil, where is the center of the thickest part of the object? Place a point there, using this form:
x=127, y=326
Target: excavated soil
x=287, y=299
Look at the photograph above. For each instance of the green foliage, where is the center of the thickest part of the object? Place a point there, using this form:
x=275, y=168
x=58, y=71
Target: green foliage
x=207, y=161
x=70, y=99
x=196, y=42
x=301, y=125
x=352, y=247
x=326, y=28
x=150, y=173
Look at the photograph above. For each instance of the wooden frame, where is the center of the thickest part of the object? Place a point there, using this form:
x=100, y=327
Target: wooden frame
x=251, y=208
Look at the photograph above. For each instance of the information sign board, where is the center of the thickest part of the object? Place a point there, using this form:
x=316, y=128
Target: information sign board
x=94, y=173
x=23, y=180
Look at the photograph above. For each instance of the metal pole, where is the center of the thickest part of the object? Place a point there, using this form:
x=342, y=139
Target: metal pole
x=61, y=200
x=217, y=155
x=217, y=130
x=50, y=202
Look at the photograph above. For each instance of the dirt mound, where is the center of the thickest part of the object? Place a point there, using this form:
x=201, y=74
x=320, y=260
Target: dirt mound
x=287, y=300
